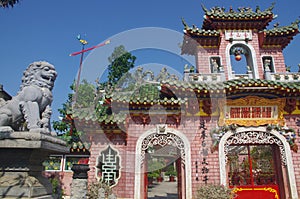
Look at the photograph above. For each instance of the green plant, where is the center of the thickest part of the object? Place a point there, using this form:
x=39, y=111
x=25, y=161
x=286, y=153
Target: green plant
x=211, y=191
x=153, y=174
x=93, y=190
x=171, y=171
x=155, y=167
x=57, y=191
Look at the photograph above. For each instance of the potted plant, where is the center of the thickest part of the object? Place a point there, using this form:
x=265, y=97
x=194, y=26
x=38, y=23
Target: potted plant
x=155, y=167
x=171, y=172
x=159, y=178
x=153, y=175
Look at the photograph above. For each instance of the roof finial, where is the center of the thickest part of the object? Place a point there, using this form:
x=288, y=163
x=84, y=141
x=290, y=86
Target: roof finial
x=296, y=23
x=184, y=23
x=276, y=25
x=257, y=9
x=271, y=7
x=204, y=8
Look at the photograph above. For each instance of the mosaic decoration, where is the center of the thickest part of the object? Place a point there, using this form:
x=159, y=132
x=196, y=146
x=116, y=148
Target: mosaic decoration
x=108, y=166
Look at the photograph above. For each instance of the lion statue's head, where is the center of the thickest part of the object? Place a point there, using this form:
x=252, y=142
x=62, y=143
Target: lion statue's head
x=39, y=73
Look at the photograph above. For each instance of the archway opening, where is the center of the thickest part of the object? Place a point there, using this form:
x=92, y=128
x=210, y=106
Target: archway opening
x=251, y=168
x=256, y=136
x=159, y=138
x=163, y=172
x=241, y=61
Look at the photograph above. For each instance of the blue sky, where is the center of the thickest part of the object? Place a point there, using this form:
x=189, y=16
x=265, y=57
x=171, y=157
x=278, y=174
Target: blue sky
x=46, y=30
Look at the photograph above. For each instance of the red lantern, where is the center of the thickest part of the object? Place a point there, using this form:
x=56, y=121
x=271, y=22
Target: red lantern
x=238, y=57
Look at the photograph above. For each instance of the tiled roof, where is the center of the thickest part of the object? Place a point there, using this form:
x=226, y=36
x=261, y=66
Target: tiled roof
x=79, y=146
x=235, y=86
x=3, y=94
x=279, y=35
x=195, y=36
x=219, y=18
x=195, y=31
x=242, y=13
x=152, y=94
x=145, y=94
x=283, y=30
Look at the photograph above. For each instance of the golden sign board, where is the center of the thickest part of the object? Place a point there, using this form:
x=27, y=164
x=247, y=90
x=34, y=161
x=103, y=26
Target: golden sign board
x=251, y=111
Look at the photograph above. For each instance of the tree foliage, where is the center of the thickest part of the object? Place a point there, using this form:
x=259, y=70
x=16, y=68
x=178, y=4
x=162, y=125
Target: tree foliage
x=85, y=98
x=121, y=62
x=8, y=3
x=88, y=95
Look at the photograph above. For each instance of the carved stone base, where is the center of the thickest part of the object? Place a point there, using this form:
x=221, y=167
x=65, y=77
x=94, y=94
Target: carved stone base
x=21, y=157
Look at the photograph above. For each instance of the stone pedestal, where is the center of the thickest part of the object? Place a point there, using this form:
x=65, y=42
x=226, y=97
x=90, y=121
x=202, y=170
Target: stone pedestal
x=79, y=184
x=21, y=157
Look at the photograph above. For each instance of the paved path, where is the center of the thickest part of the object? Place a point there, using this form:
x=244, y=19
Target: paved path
x=163, y=190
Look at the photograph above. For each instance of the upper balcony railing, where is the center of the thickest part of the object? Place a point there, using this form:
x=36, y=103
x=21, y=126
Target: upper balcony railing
x=287, y=77
x=204, y=77
x=191, y=76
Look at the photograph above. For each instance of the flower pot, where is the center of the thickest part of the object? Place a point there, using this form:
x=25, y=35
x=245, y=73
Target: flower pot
x=172, y=178
x=80, y=171
x=159, y=179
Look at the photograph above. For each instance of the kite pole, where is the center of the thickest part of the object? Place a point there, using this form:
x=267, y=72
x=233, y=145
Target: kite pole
x=83, y=43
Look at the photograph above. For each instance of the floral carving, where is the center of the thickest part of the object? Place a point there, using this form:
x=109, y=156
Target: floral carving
x=288, y=133
x=162, y=140
x=255, y=137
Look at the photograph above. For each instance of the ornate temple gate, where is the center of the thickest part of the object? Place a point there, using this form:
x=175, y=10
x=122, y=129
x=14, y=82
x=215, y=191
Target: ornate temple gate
x=162, y=137
x=257, y=164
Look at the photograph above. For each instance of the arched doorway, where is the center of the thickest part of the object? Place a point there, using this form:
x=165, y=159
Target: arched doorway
x=159, y=137
x=248, y=65
x=255, y=148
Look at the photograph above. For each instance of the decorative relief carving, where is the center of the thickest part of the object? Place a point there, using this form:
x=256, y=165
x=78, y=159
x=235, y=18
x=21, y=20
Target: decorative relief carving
x=162, y=139
x=161, y=129
x=255, y=137
x=290, y=105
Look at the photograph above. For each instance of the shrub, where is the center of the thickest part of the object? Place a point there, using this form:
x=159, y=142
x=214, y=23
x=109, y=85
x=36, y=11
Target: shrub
x=93, y=190
x=211, y=191
x=57, y=191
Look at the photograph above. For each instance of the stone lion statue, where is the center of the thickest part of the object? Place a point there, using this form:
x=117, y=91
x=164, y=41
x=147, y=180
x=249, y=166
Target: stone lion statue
x=30, y=109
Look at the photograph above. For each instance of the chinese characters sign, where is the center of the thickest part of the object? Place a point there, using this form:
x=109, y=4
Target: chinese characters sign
x=108, y=167
x=203, y=154
x=236, y=35
x=251, y=112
